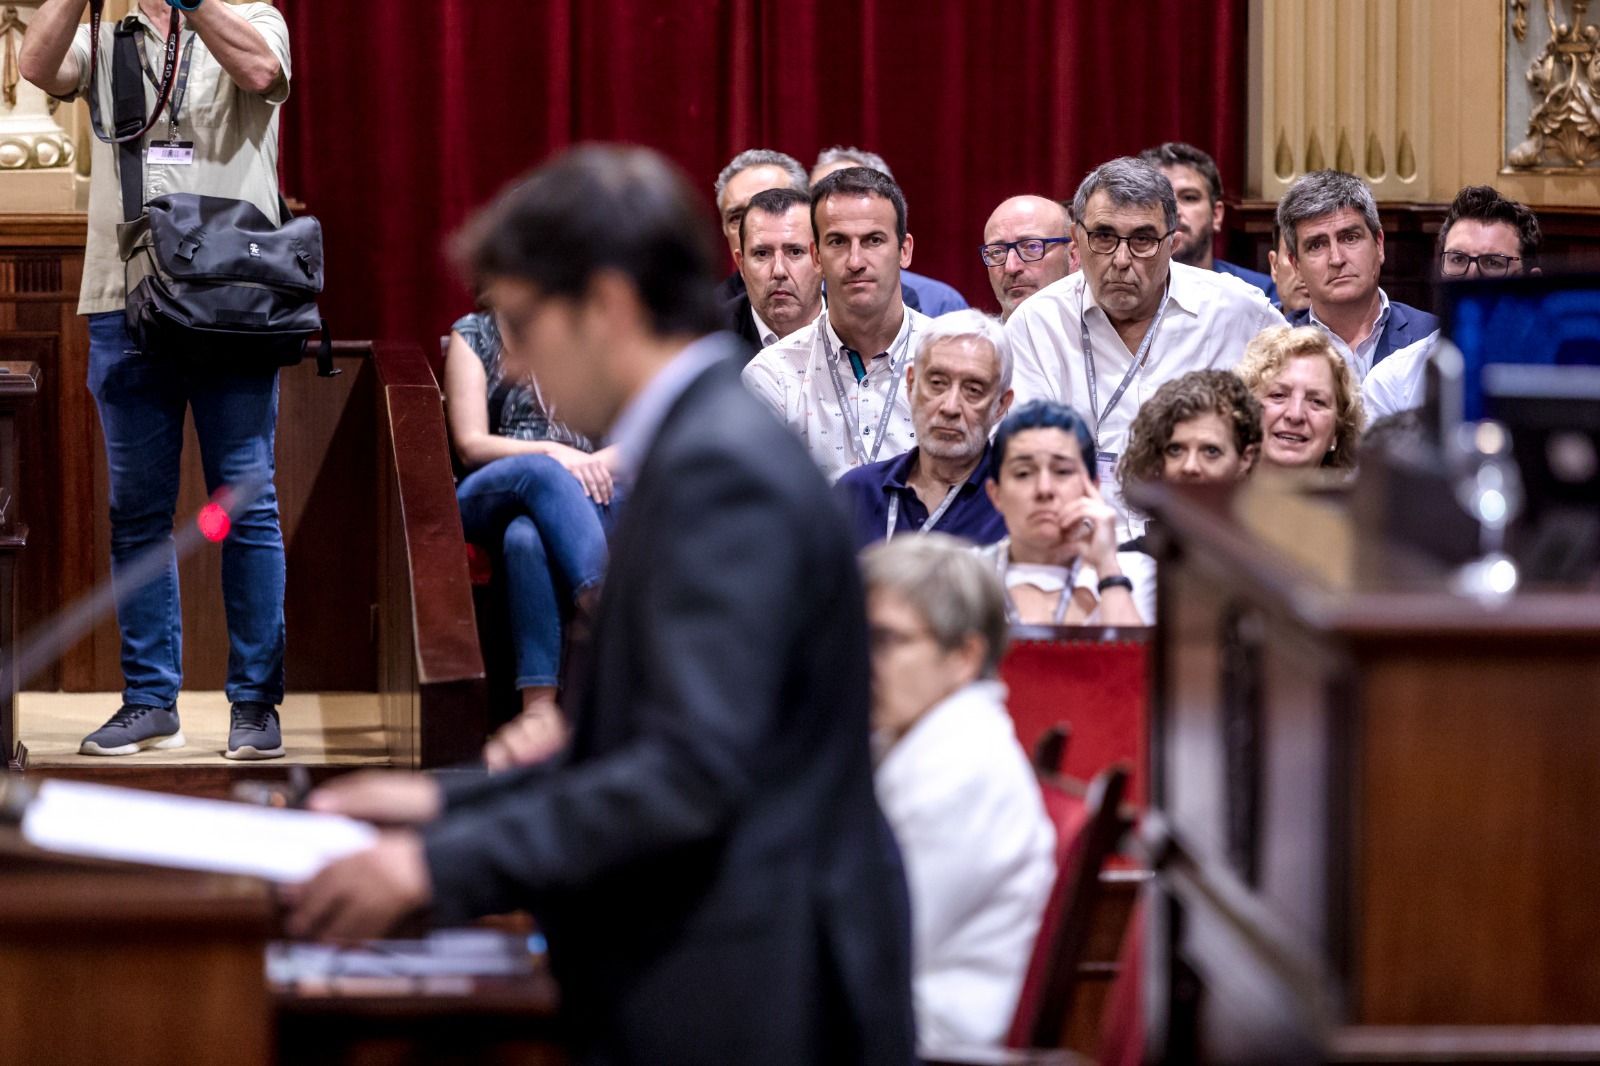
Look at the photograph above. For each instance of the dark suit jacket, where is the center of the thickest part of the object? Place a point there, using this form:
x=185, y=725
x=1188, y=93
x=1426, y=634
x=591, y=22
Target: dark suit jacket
x=1406, y=325
x=736, y=313
x=708, y=860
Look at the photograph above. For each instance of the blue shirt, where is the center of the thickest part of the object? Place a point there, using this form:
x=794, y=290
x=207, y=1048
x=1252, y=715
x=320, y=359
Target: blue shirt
x=1261, y=281
x=933, y=297
x=865, y=493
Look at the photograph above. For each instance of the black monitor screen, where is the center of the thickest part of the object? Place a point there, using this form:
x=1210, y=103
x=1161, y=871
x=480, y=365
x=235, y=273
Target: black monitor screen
x=1527, y=321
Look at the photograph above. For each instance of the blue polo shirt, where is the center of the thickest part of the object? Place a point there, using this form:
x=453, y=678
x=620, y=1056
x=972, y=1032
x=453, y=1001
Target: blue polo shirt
x=865, y=493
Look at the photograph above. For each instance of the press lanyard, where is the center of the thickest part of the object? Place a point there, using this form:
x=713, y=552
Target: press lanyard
x=179, y=90
x=1133, y=368
x=1003, y=563
x=933, y=519
x=846, y=410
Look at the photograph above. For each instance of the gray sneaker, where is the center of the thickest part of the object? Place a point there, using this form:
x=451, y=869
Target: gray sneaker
x=133, y=728
x=254, y=732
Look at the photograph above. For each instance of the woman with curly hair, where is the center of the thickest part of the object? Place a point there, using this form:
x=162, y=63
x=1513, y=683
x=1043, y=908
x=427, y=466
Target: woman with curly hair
x=1201, y=427
x=1311, y=412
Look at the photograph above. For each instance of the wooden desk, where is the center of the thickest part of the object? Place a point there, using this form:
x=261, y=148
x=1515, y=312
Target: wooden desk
x=104, y=963
x=1373, y=801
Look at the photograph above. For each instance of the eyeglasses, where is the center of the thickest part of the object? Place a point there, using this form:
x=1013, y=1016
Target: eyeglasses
x=1140, y=245
x=883, y=638
x=1492, y=265
x=1029, y=249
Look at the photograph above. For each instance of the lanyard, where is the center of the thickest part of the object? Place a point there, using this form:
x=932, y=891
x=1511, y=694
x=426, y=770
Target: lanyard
x=933, y=519
x=1133, y=368
x=847, y=412
x=1003, y=563
x=179, y=90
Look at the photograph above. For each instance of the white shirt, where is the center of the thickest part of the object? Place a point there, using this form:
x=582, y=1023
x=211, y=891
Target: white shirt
x=979, y=852
x=1398, y=383
x=1359, y=357
x=1209, y=319
x=1135, y=566
x=768, y=335
x=793, y=377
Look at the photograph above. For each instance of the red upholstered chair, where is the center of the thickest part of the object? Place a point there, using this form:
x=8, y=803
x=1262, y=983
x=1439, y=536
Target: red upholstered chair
x=1096, y=680
x=1087, y=832
x=1122, y=1028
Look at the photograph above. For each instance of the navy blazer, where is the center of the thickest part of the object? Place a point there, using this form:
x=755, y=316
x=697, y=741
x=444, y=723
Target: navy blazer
x=707, y=859
x=1406, y=325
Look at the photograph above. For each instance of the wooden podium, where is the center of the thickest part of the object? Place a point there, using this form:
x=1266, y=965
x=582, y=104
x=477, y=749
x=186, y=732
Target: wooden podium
x=108, y=963
x=1374, y=802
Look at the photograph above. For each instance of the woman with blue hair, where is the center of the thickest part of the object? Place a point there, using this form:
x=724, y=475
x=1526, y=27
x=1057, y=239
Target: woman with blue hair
x=1059, y=561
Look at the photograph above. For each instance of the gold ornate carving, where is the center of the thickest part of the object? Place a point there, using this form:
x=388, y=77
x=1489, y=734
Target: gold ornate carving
x=1519, y=19
x=1564, y=128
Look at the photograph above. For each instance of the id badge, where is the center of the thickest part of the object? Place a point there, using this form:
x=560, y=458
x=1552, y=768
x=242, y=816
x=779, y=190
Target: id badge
x=1105, y=464
x=172, y=153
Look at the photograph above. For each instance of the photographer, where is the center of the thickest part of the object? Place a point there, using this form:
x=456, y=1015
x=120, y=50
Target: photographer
x=218, y=136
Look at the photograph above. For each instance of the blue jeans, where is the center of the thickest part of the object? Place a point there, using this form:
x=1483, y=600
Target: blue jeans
x=552, y=539
x=142, y=398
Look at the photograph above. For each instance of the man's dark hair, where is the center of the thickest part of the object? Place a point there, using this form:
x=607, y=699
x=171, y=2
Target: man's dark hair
x=1483, y=203
x=596, y=208
x=860, y=181
x=777, y=202
x=1179, y=154
x=1320, y=193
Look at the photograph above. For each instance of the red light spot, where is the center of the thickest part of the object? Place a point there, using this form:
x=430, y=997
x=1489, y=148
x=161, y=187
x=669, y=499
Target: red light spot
x=214, y=522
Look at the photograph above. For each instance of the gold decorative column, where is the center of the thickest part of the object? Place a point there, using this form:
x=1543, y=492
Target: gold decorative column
x=1421, y=97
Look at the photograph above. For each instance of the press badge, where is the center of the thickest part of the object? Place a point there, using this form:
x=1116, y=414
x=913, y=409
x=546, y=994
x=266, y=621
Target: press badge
x=1105, y=464
x=177, y=153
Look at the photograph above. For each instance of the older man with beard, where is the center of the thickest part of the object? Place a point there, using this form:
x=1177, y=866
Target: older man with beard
x=960, y=388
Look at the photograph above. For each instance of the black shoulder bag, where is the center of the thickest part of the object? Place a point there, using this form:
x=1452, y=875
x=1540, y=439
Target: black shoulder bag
x=210, y=280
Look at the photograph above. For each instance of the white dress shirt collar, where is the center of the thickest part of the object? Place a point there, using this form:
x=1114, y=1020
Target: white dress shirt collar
x=1359, y=357
x=767, y=335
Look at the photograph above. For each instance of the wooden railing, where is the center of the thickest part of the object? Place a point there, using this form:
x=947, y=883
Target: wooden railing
x=430, y=668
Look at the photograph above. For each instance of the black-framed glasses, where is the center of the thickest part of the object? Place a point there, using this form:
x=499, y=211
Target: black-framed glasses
x=1140, y=245
x=1028, y=249
x=1490, y=265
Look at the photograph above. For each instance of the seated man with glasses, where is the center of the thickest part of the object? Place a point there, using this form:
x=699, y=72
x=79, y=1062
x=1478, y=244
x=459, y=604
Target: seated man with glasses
x=1330, y=222
x=1105, y=339
x=1484, y=236
x=1026, y=246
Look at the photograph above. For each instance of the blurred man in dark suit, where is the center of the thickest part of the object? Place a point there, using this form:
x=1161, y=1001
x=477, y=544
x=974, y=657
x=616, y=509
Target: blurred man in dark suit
x=706, y=859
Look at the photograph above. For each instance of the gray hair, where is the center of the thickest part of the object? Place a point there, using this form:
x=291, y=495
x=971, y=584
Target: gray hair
x=949, y=585
x=968, y=322
x=1322, y=192
x=1129, y=182
x=860, y=157
x=762, y=157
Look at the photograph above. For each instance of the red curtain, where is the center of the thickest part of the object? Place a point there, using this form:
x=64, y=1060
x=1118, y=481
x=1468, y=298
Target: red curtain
x=404, y=117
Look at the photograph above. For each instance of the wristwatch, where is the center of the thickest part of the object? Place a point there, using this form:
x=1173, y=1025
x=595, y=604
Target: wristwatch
x=1116, y=581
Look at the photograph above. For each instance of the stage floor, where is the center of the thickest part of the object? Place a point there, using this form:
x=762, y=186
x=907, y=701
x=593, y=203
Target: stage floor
x=319, y=729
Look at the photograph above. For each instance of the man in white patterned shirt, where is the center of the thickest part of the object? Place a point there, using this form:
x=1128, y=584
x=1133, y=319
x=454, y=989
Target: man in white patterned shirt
x=1104, y=339
x=840, y=383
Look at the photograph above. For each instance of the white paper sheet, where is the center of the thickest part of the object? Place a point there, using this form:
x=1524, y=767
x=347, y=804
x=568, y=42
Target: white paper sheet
x=131, y=825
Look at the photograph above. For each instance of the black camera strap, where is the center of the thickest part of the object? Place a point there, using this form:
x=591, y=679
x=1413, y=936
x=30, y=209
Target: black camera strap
x=129, y=121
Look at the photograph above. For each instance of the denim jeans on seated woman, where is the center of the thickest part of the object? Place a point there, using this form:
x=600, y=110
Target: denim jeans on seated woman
x=141, y=397
x=553, y=540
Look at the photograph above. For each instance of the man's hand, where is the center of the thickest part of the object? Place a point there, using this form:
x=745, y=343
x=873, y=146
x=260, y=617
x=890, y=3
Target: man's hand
x=362, y=895
x=383, y=796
